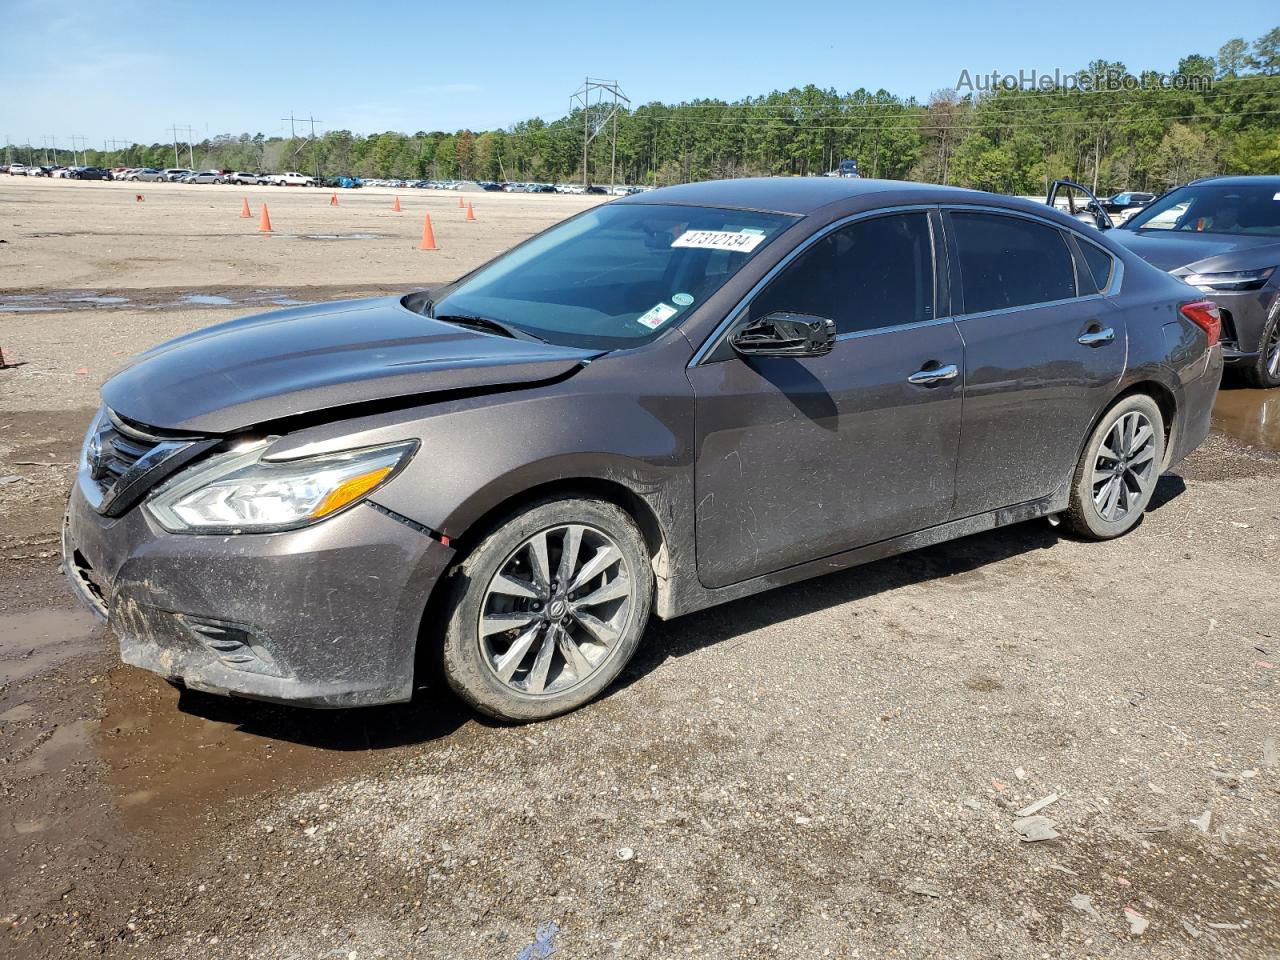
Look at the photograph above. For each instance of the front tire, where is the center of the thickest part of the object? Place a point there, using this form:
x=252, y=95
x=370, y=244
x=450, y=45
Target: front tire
x=1264, y=372
x=546, y=611
x=1118, y=470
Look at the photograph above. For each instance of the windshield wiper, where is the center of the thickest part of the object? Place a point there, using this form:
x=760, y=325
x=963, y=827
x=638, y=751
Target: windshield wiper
x=488, y=325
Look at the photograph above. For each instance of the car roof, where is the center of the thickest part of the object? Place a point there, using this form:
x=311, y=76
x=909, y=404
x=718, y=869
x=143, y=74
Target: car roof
x=803, y=195
x=1241, y=181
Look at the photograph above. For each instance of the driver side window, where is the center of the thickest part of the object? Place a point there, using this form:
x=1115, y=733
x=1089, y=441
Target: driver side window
x=871, y=274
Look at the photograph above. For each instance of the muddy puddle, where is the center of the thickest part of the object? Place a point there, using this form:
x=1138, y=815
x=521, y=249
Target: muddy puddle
x=34, y=641
x=1249, y=416
x=179, y=298
x=57, y=301
x=172, y=761
x=175, y=758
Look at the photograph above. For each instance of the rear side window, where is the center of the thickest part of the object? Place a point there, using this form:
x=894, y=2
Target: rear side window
x=1100, y=263
x=871, y=274
x=1010, y=262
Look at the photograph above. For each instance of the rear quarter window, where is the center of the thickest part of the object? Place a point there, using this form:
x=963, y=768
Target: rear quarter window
x=1101, y=263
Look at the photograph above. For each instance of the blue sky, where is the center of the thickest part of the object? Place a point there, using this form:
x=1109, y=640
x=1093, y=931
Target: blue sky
x=128, y=69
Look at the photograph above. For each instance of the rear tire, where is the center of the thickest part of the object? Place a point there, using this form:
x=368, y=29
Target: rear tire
x=1264, y=372
x=572, y=578
x=1118, y=471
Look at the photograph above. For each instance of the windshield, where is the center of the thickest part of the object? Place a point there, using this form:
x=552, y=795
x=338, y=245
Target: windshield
x=616, y=276
x=1214, y=208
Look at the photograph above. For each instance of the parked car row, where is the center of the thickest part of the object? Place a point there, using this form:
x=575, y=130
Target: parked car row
x=505, y=186
x=175, y=175
x=70, y=173
x=295, y=179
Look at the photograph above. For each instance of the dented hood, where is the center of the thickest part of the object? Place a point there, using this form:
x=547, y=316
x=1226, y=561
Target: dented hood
x=306, y=359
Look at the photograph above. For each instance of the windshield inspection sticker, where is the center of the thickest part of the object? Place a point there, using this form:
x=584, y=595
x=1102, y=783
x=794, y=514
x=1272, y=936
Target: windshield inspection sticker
x=657, y=316
x=682, y=299
x=739, y=241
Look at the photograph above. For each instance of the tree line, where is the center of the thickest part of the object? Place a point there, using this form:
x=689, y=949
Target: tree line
x=1147, y=135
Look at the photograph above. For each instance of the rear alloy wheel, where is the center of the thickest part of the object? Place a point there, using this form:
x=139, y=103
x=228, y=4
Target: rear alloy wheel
x=1118, y=472
x=1265, y=371
x=547, y=610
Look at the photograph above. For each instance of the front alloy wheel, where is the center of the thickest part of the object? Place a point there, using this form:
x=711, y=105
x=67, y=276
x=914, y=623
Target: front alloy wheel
x=547, y=609
x=555, y=610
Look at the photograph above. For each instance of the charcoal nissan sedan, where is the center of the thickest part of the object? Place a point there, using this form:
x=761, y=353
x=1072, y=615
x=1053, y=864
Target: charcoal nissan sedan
x=676, y=399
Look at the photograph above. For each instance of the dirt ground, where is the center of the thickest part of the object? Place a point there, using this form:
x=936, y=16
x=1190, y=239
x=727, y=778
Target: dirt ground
x=828, y=770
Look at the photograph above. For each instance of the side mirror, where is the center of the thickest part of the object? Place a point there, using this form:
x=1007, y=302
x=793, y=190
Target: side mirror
x=786, y=335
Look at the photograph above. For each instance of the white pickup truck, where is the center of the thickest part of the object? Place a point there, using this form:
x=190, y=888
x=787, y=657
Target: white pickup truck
x=289, y=179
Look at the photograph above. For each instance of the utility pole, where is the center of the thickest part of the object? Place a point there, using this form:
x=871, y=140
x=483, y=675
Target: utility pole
x=311, y=140
x=83, y=156
x=598, y=116
x=191, y=156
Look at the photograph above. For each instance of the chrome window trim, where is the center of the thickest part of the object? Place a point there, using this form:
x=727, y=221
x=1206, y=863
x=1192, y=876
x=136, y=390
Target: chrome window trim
x=1117, y=273
x=1026, y=306
x=877, y=331
x=716, y=337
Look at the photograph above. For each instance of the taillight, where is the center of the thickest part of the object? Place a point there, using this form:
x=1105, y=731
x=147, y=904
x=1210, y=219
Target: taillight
x=1204, y=314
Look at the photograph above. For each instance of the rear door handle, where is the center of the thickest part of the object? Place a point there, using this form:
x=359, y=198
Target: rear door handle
x=1096, y=337
x=930, y=375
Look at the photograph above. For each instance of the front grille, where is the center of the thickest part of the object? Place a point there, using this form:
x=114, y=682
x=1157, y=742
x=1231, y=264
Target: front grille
x=122, y=447
x=123, y=460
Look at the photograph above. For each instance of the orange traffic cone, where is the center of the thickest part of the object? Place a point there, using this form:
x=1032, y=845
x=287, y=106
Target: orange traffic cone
x=395, y=205
x=333, y=201
x=428, y=235
x=264, y=222
x=460, y=203
x=245, y=213
x=471, y=214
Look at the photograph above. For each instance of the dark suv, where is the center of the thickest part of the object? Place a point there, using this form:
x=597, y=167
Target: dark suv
x=1222, y=236
x=673, y=400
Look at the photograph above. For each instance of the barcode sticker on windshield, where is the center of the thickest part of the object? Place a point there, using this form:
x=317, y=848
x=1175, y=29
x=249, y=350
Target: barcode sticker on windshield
x=739, y=241
x=656, y=316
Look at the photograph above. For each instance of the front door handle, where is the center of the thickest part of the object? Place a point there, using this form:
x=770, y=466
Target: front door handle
x=931, y=375
x=1096, y=337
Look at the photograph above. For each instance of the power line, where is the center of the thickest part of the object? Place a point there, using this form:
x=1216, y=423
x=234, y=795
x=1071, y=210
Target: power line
x=968, y=118
x=981, y=97
x=1010, y=104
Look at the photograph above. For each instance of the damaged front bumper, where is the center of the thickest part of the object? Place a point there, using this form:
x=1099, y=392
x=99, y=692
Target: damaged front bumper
x=323, y=616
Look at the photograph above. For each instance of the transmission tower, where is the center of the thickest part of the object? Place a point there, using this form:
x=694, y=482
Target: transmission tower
x=600, y=102
x=311, y=140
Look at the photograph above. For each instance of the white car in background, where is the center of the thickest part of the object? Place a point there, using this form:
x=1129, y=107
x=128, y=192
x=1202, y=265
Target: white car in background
x=290, y=179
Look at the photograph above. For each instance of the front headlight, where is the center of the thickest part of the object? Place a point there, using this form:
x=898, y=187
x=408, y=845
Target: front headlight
x=1232, y=280
x=242, y=493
